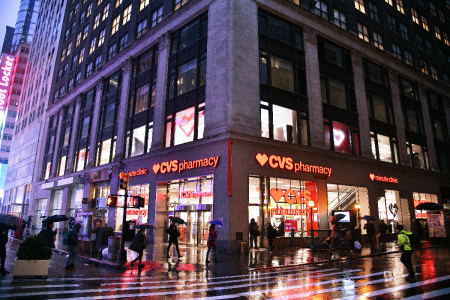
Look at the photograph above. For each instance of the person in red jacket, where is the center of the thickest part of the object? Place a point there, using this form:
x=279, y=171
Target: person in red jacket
x=212, y=237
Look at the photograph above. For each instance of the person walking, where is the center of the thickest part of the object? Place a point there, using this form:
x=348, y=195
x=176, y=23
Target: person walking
x=72, y=247
x=212, y=237
x=335, y=236
x=382, y=229
x=281, y=228
x=418, y=228
x=174, y=234
x=138, y=245
x=404, y=244
x=4, y=228
x=271, y=235
x=49, y=235
x=370, y=229
x=254, y=233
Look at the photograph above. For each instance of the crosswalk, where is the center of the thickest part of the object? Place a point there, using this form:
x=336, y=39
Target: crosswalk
x=293, y=283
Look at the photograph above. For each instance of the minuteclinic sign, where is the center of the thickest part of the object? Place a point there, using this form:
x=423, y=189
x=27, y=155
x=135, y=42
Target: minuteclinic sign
x=374, y=177
x=6, y=70
x=180, y=166
x=282, y=162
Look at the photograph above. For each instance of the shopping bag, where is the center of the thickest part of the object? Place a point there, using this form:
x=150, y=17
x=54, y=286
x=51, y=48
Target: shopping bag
x=357, y=245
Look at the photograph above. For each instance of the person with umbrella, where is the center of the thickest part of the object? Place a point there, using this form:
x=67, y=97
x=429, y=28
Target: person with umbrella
x=4, y=228
x=49, y=235
x=138, y=245
x=335, y=232
x=72, y=248
x=174, y=234
x=212, y=237
x=370, y=229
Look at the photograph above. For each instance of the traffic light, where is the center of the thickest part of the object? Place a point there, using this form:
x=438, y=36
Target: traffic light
x=124, y=178
x=111, y=201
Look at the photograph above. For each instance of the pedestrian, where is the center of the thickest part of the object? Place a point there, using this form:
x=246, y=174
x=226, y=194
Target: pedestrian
x=350, y=237
x=271, y=235
x=335, y=236
x=4, y=228
x=382, y=228
x=389, y=228
x=72, y=248
x=138, y=245
x=404, y=244
x=174, y=234
x=281, y=228
x=370, y=229
x=418, y=228
x=254, y=233
x=49, y=235
x=212, y=237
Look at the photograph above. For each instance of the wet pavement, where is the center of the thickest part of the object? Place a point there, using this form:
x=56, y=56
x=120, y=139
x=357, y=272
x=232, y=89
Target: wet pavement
x=291, y=273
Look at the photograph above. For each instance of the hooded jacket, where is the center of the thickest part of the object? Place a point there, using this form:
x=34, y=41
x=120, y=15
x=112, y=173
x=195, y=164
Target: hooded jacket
x=73, y=236
x=403, y=240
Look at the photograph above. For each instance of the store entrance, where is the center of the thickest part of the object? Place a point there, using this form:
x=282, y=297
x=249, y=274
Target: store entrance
x=195, y=231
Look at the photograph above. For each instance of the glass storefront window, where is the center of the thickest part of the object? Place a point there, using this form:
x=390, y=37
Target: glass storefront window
x=41, y=205
x=422, y=198
x=393, y=209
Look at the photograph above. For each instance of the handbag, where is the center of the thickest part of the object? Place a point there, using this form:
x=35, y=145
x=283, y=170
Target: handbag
x=357, y=245
x=135, y=246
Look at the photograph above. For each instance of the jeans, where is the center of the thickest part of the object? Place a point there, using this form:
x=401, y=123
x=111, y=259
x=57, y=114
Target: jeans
x=370, y=236
x=406, y=260
x=215, y=252
x=253, y=240
x=175, y=242
x=73, y=254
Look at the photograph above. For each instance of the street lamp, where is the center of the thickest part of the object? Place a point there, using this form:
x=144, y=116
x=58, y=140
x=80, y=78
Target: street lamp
x=311, y=205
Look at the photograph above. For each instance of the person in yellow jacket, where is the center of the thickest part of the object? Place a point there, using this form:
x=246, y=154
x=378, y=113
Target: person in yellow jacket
x=403, y=243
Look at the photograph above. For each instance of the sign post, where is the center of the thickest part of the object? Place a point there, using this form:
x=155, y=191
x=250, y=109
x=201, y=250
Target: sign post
x=124, y=178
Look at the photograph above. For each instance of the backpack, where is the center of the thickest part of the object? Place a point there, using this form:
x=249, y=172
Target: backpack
x=414, y=241
x=66, y=239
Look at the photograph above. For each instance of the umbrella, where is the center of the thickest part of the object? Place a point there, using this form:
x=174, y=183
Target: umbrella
x=56, y=218
x=145, y=226
x=336, y=218
x=429, y=206
x=217, y=222
x=177, y=220
x=10, y=219
x=369, y=218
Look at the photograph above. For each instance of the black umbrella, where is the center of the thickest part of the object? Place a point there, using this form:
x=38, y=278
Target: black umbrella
x=56, y=218
x=177, y=220
x=10, y=219
x=145, y=226
x=369, y=218
x=429, y=206
x=336, y=218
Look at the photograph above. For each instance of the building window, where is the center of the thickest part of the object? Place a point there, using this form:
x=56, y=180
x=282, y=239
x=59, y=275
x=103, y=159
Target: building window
x=339, y=19
x=81, y=56
x=188, y=125
x=78, y=78
x=341, y=137
x=143, y=4
x=392, y=23
x=429, y=47
x=112, y=50
x=157, y=16
x=437, y=31
x=359, y=5
x=105, y=12
x=404, y=31
x=373, y=11
x=408, y=58
x=378, y=40
x=396, y=50
x=98, y=61
x=415, y=16
x=334, y=92
x=363, y=32
x=434, y=72
x=424, y=66
x=441, y=16
x=445, y=37
x=96, y=21
x=123, y=42
x=141, y=28
x=89, y=69
x=89, y=10
x=433, y=9
x=321, y=9
x=418, y=155
x=179, y=3
x=63, y=54
x=92, y=47
x=101, y=38
x=118, y=2
x=389, y=2
x=115, y=25
x=420, y=43
x=380, y=109
x=400, y=6
x=85, y=32
x=126, y=14
x=74, y=61
x=425, y=23
x=384, y=148
x=78, y=40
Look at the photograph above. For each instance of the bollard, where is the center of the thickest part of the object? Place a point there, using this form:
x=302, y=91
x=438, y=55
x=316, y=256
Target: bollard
x=243, y=247
x=292, y=237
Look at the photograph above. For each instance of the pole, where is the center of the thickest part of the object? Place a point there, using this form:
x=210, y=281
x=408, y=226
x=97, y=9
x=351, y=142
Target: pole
x=123, y=254
x=312, y=231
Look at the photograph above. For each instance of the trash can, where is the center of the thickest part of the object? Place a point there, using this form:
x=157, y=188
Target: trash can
x=113, y=247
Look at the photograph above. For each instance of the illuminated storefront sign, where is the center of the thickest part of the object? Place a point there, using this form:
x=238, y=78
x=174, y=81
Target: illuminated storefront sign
x=294, y=197
x=137, y=212
x=6, y=70
x=287, y=163
x=194, y=194
x=175, y=165
x=374, y=177
x=139, y=172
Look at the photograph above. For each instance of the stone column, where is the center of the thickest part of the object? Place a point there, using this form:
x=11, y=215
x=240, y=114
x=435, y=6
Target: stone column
x=232, y=69
x=57, y=142
x=122, y=114
x=95, y=123
x=403, y=157
x=73, y=138
x=361, y=103
x=428, y=130
x=316, y=131
x=161, y=90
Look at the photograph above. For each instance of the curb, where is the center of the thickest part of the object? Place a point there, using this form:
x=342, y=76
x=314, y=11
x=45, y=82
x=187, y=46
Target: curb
x=340, y=259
